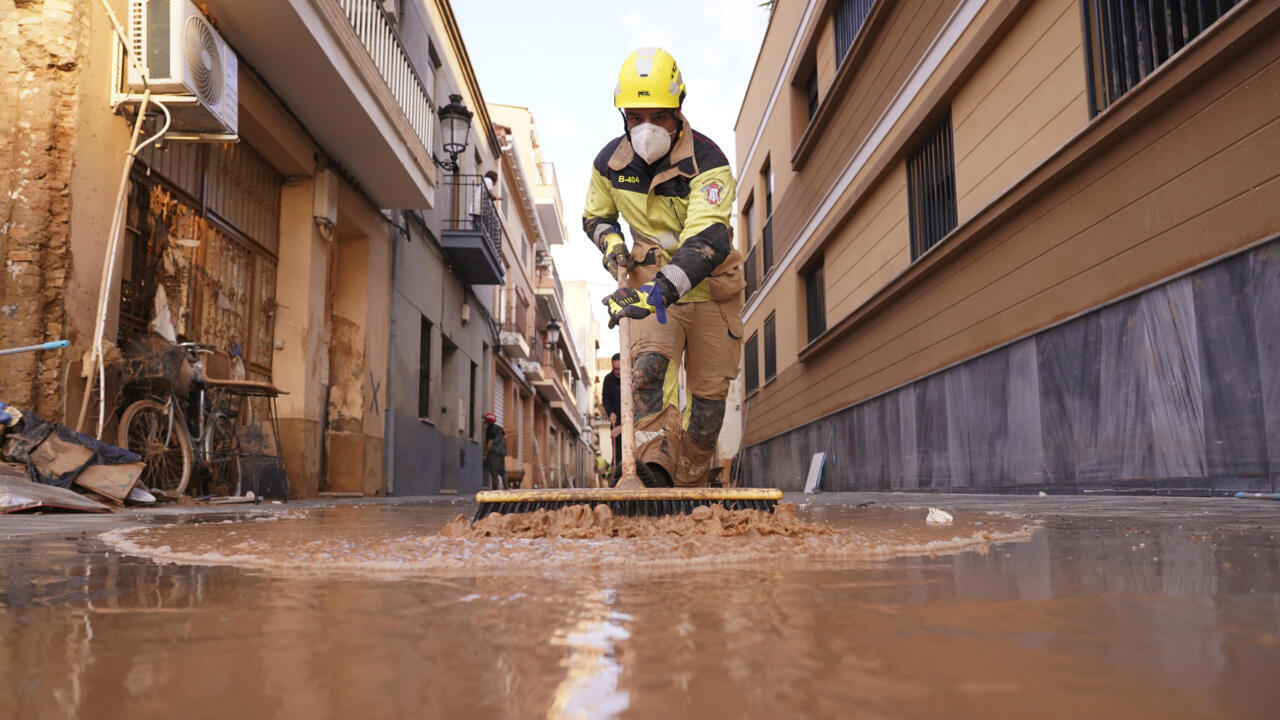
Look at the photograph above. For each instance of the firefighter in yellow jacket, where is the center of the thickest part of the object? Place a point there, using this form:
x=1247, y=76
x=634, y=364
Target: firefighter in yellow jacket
x=674, y=188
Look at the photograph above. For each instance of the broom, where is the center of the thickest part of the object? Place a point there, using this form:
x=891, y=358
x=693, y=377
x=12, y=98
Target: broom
x=630, y=497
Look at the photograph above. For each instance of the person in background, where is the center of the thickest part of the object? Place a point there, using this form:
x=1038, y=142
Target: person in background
x=491, y=184
x=611, y=398
x=495, y=452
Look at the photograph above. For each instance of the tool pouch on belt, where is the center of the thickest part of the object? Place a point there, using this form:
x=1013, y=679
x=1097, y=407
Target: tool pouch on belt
x=648, y=257
x=727, y=280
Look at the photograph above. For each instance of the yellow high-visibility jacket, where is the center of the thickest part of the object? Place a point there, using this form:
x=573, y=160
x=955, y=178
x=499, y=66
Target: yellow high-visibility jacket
x=678, y=210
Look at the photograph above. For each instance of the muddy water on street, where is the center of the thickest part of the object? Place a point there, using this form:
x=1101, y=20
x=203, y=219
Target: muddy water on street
x=364, y=611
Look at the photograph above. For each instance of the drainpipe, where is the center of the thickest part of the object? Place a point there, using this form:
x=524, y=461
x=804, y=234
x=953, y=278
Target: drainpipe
x=389, y=428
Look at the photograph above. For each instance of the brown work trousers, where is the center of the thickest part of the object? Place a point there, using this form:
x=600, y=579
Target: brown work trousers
x=707, y=338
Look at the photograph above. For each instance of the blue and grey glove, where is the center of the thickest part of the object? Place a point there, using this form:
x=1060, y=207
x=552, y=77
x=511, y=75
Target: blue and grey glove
x=636, y=304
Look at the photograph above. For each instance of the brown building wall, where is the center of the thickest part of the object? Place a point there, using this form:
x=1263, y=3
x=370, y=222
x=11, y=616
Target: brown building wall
x=40, y=73
x=1057, y=214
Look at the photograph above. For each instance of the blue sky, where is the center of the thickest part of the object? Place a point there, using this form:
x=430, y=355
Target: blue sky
x=561, y=61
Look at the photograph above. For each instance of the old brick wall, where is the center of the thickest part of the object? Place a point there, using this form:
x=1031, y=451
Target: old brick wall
x=42, y=44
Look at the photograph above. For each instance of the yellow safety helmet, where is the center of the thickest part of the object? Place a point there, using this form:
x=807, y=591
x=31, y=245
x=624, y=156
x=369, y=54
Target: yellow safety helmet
x=649, y=78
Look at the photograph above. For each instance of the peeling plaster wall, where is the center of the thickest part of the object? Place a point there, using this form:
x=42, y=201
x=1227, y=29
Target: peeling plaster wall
x=42, y=49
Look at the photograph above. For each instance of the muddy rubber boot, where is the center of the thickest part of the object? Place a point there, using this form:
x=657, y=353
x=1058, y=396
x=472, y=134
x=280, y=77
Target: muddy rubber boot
x=653, y=475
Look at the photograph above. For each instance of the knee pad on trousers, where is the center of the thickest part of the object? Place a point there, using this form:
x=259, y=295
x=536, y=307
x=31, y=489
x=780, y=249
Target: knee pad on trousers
x=648, y=376
x=705, y=419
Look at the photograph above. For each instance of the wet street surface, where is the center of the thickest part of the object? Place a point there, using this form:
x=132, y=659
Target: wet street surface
x=1113, y=607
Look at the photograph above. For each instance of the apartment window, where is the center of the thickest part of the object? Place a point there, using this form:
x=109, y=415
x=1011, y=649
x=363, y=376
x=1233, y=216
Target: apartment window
x=811, y=93
x=471, y=409
x=1126, y=40
x=424, y=370
x=766, y=237
x=751, y=364
x=931, y=183
x=815, y=303
x=770, y=348
x=749, y=266
x=849, y=18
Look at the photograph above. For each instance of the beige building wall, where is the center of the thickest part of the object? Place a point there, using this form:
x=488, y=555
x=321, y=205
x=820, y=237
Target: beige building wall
x=331, y=298
x=1038, y=237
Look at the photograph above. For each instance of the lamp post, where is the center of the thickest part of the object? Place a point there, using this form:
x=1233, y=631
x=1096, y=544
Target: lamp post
x=455, y=126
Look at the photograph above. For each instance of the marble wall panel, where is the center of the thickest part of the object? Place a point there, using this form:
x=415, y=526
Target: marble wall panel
x=978, y=404
x=931, y=433
x=1022, y=460
x=1124, y=444
x=906, y=476
x=872, y=449
x=963, y=421
x=1231, y=386
x=1266, y=320
x=1068, y=367
x=1172, y=374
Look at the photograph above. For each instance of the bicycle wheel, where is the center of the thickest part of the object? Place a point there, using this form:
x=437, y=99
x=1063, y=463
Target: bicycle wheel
x=146, y=429
x=222, y=455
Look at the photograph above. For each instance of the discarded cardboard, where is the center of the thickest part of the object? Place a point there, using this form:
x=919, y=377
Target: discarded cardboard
x=17, y=493
x=57, y=456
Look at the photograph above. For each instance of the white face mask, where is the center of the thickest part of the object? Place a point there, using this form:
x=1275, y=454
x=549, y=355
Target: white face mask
x=650, y=141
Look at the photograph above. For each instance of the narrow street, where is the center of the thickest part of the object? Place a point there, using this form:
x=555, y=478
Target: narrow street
x=1116, y=607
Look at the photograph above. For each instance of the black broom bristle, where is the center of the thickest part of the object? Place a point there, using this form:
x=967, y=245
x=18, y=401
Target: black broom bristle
x=625, y=507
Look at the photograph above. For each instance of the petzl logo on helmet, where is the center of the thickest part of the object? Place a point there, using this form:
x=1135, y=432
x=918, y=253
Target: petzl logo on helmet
x=713, y=191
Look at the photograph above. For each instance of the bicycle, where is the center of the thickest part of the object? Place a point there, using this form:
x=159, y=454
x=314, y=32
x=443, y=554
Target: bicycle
x=157, y=428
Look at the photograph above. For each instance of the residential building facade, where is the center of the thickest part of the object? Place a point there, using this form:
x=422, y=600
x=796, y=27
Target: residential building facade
x=325, y=225
x=1013, y=245
x=540, y=382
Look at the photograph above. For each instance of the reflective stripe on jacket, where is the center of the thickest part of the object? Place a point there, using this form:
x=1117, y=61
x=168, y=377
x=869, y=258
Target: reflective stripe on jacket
x=679, y=208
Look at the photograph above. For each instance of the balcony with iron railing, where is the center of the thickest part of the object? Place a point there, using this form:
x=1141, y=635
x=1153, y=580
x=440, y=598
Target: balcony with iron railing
x=347, y=71
x=751, y=272
x=548, y=280
x=557, y=385
x=550, y=208
x=472, y=233
x=377, y=32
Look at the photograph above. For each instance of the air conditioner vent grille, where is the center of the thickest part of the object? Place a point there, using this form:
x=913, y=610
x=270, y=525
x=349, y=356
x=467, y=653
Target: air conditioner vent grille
x=204, y=59
x=157, y=50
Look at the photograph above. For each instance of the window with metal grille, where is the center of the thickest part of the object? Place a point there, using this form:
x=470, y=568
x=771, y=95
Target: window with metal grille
x=750, y=265
x=751, y=364
x=471, y=407
x=424, y=370
x=815, y=303
x=766, y=236
x=770, y=348
x=811, y=93
x=849, y=18
x=217, y=207
x=1126, y=40
x=931, y=183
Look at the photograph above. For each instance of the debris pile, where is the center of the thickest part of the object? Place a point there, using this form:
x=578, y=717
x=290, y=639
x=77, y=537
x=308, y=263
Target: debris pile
x=587, y=522
x=55, y=459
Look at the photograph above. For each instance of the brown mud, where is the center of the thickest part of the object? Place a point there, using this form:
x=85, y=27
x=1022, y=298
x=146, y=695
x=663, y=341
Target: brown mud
x=569, y=540
x=1114, y=607
x=585, y=521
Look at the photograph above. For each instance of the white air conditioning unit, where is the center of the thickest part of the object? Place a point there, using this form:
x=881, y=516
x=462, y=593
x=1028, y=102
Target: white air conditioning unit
x=184, y=56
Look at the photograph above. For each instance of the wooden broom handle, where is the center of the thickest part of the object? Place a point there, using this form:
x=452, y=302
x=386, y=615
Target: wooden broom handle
x=629, y=479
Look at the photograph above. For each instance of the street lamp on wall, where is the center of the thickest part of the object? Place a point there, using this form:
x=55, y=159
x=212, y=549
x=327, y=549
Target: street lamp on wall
x=455, y=126
x=553, y=333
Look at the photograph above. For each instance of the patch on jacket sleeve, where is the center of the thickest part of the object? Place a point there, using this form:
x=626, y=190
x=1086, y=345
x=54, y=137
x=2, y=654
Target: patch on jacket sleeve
x=713, y=191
